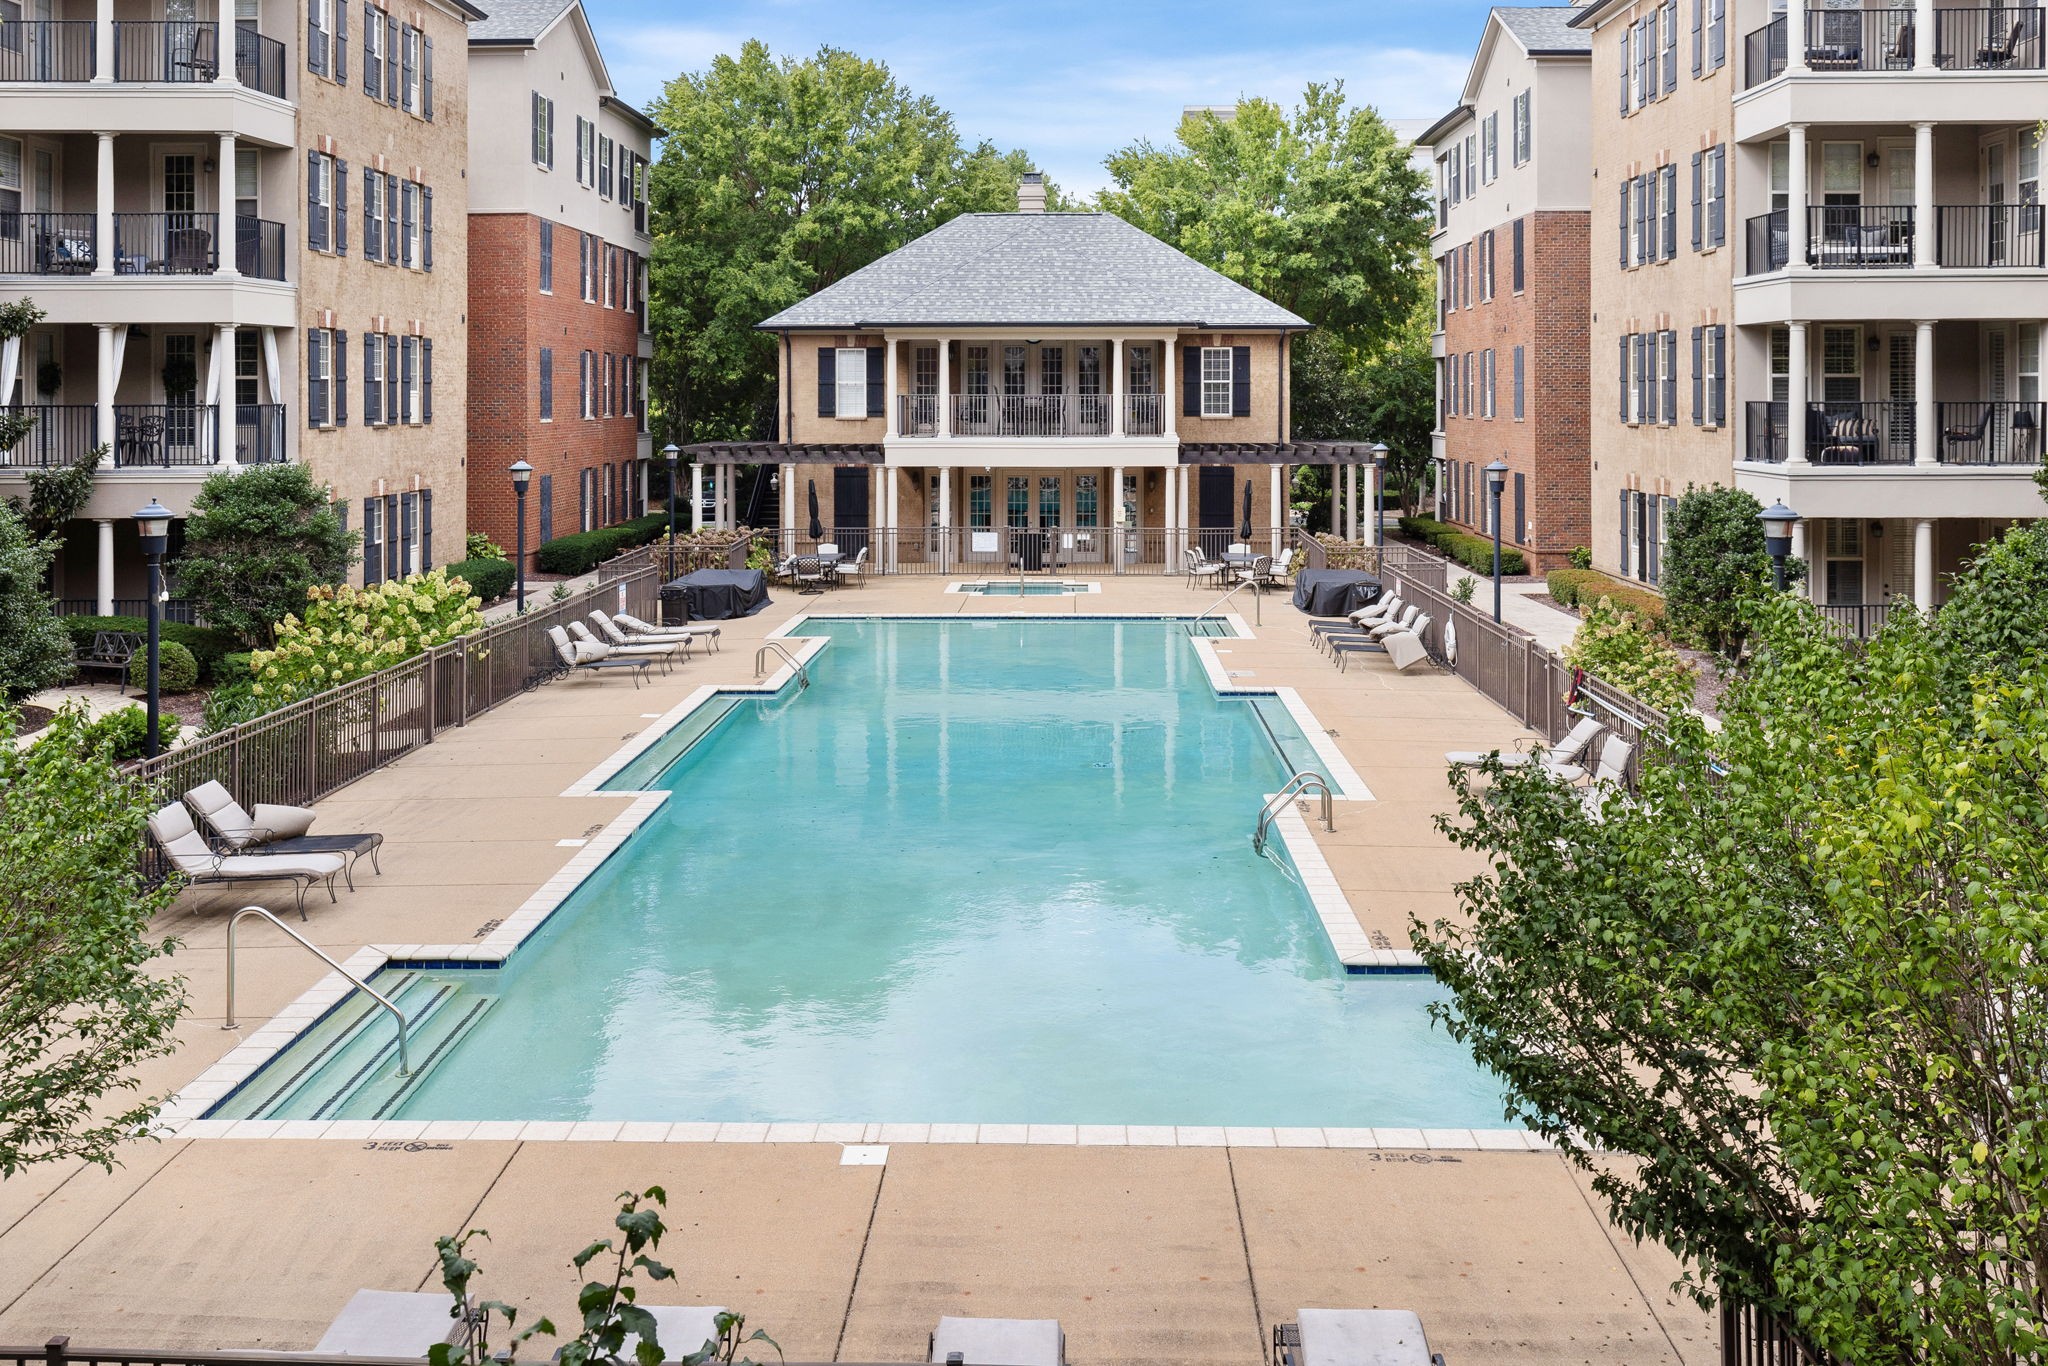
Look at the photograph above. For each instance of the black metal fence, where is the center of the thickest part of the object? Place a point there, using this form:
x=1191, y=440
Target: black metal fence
x=1859, y=433
x=183, y=243
x=166, y=434
x=175, y=50
x=62, y=434
x=259, y=433
x=1989, y=236
x=48, y=50
x=1857, y=620
x=175, y=609
x=1992, y=433
x=48, y=243
x=1751, y=1336
x=2003, y=38
x=1860, y=236
x=1767, y=243
x=259, y=247
x=259, y=64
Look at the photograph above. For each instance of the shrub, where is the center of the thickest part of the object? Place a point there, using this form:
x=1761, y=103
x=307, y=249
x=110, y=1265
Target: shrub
x=1575, y=586
x=176, y=670
x=490, y=579
x=582, y=551
x=32, y=649
x=1714, y=559
x=1476, y=553
x=482, y=547
x=1461, y=591
x=257, y=540
x=123, y=734
x=234, y=668
x=1581, y=558
x=209, y=647
x=1621, y=649
x=350, y=632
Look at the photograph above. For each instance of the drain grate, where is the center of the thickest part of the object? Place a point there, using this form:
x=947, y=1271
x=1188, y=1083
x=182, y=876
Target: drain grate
x=486, y=928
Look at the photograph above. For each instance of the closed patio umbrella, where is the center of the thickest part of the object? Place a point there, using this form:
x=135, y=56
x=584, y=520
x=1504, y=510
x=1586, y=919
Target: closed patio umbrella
x=817, y=527
x=1244, y=532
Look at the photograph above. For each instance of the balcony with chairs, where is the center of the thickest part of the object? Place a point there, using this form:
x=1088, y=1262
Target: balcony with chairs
x=1028, y=416
x=139, y=51
x=1884, y=237
x=2001, y=39
x=1975, y=433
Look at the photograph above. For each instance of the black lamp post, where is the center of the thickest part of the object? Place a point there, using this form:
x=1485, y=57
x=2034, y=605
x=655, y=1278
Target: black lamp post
x=673, y=457
x=1378, y=451
x=154, y=524
x=521, y=472
x=1778, y=522
x=1496, y=480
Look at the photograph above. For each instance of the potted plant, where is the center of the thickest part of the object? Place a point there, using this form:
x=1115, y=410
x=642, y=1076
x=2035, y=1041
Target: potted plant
x=180, y=378
x=49, y=378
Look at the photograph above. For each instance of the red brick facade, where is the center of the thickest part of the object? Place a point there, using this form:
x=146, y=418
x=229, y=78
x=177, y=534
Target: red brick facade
x=510, y=321
x=1548, y=444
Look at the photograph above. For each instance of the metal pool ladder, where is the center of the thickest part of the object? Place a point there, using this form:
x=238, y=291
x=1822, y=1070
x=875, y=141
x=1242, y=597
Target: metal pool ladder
x=404, y=1058
x=1306, y=781
x=1258, y=605
x=803, y=675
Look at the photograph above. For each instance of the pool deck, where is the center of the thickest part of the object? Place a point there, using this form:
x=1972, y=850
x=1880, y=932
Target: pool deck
x=1145, y=1253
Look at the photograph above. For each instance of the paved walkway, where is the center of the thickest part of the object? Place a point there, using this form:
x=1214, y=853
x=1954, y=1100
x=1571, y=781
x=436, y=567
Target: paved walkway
x=1145, y=1254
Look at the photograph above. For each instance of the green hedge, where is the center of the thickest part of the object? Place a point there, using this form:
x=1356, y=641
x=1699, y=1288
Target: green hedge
x=1567, y=585
x=1426, y=528
x=488, y=579
x=1582, y=588
x=208, y=646
x=1476, y=554
x=176, y=670
x=582, y=551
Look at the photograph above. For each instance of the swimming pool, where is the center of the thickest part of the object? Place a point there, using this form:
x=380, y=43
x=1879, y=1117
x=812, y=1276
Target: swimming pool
x=979, y=871
x=1024, y=588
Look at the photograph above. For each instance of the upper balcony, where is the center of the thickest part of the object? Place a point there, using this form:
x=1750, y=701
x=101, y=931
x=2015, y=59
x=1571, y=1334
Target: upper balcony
x=1032, y=416
x=1885, y=237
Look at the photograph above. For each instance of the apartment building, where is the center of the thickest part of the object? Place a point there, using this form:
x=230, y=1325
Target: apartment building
x=175, y=195
x=558, y=278
x=1512, y=171
x=1892, y=287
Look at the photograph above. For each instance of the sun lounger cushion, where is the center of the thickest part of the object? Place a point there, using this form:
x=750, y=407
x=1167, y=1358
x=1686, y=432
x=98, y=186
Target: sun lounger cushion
x=680, y=1329
x=390, y=1323
x=239, y=828
x=1000, y=1342
x=1362, y=1337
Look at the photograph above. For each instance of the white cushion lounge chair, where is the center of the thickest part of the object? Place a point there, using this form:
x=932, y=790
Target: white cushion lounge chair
x=1404, y=648
x=1608, y=774
x=1353, y=1337
x=999, y=1342
x=1561, y=759
x=1370, y=615
x=695, y=630
x=855, y=568
x=1404, y=620
x=579, y=656
x=189, y=853
x=237, y=828
x=611, y=633
x=663, y=650
x=393, y=1324
x=679, y=1328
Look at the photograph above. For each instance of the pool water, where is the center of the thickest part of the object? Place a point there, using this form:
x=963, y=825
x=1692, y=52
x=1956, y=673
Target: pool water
x=980, y=871
x=1020, y=588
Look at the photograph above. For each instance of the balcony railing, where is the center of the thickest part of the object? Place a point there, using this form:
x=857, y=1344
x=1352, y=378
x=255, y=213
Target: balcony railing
x=259, y=62
x=1883, y=433
x=63, y=433
x=259, y=247
x=1029, y=415
x=1860, y=237
x=165, y=435
x=175, y=50
x=166, y=243
x=1989, y=236
x=2005, y=38
x=1141, y=415
x=259, y=433
x=1856, y=620
x=1880, y=237
x=47, y=50
x=1768, y=243
x=48, y=243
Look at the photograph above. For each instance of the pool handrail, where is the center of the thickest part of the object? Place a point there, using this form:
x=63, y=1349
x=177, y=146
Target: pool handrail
x=803, y=675
x=404, y=1056
x=1258, y=604
x=1302, y=783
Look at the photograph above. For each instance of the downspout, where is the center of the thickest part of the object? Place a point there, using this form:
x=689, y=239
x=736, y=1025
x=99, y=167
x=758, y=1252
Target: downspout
x=788, y=392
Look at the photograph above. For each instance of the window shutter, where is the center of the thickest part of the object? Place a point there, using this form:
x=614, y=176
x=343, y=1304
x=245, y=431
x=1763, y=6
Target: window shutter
x=390, y=379
x=391, y=60
x=1191, y=381
x=406, y=195
x=1520, y=380
x=1521, y=280
x=583, y=384
x=1647, y=54
x=373, y=241
x=426, y=228
x=391, y=219
x=316, y=227
x=1669, y=174
x=827, y=369
x=316, y=393
x=394, y=567
x=1651, y=506
x=341, y=208
x=409, y=58
x=1240, y=381
x=426, y=529
x=1699, y=377
x=547, y=382
x=1521, y=510
x=427, y=379
x=372, y=77
x=427, y=77
x=539, y=145
x=878, y=396
x=1623, y=561
x=1670, y=12
x=373, y=545
x=341, y=40
x=1717, y=208
x=1624, y=73
x=316, y=44
x=1646, y=405
x=373, y=402
x=1624, y=224
x=1698, y=37
x=1624, y=379
x=1670, y=379
x=1717, y=33
x=1720, y=377
x=341, y=379
x=1698, y=237
x=1643, y=253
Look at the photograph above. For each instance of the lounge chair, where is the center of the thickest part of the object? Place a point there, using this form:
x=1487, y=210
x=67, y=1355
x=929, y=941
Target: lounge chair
x=635, y=626
x=611, y=633
x=1993, y=58
x=275, y=831
x=580, y=655
x=999, y=1342
x=1353, y=1337
x=1370, y=615
x=679, y=1329
x=663, y=650
x=1404, y=620
x=1609, y=776
x=1562, y=758
x=192, y=856
x=393, y=1324
x=1403, y=647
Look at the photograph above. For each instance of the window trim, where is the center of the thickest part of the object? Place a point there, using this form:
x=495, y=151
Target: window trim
x=856, y=409
x=1208, y=382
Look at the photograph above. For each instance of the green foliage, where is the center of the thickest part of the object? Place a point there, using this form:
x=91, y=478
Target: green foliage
x=1476, y=553
x=1462, y=590
x=34, y=653
x=1382, y=391
x=58, y=493
x=1799, y=978
x=80, y=1006
x=1997, y=613
x=17, y=316
x=1616, y=645
x=348, y=633
x=778, y=177
x=490, y=579
x=1714, y=559
x=1580, y=558
x=1584, y=587
x=481, y=547
x=176, y=670
x=257, y=542
x=210, y=648
x=122, y=734
x=582, y=551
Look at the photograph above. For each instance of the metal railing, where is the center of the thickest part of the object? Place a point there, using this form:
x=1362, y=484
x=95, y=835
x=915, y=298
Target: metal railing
x=63, y=433
x=2005, y=38
x=1859, y=433
x=182, y=51
x=776, y=647
x=48, y=243
x=1976, y=433
x=1141, y=415
x=166, y=243
x=259, y=434
x=1860, y=237
x=259, y=247
x=1028, y=414
x=1074, y=551
x=1763, y=54
x=1751, y=1336
x=166, y=434
x=58, y=1351
x=1989, y=236
x=1214, y=611
x=175, y=609
x=47, y=50
x=1768, y=243
x=1991, y=433
x=404, y=1053
x=259, y=62
x=1302, y=783
x=1856, y=620
x=917, y=414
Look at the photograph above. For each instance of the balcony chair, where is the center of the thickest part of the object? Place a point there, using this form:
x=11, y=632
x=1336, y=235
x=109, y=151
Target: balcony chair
x=1900, y=58
x=1851, y=440
x=2005, y=55
x=1967, y=436
x=64, y=253
x=200, y=61
x=188, y=251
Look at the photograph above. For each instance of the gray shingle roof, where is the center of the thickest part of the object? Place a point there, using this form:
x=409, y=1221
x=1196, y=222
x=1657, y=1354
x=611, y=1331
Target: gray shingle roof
x=516, y=20
x=1019, y=269
x=1545, y=29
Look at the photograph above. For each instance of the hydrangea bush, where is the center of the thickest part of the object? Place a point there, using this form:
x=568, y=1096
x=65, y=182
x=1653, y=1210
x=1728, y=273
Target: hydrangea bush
x=1616, y=646
x=347, y=633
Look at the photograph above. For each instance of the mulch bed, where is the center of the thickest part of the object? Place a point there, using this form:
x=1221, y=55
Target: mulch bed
x=29, y=720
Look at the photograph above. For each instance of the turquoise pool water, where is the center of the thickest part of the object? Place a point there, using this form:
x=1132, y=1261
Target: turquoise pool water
x=1024, y=588
x=981, y=871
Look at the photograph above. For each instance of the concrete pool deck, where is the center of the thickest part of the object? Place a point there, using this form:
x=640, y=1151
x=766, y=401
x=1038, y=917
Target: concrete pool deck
x=1144, y=1253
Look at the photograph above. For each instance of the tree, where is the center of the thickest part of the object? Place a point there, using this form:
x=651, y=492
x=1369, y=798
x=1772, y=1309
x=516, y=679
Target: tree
x=79, y=1004
x=256, y=541
x=35, y=652
x=1798, y=975
x=1714, y=559
x=58, y=493
x=779, y=177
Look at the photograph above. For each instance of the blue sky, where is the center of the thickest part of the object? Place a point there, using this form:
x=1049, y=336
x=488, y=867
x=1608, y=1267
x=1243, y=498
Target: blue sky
x=1069, y=82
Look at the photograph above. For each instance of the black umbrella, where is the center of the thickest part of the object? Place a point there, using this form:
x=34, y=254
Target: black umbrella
x=817, y=527
x=1244, y=532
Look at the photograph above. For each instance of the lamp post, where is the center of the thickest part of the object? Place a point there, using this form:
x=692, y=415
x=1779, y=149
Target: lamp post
x=1496, y=480
x=521, y=472
x=1378, y=451
x=673, y=457
x=1778, y=522
x=154, y=524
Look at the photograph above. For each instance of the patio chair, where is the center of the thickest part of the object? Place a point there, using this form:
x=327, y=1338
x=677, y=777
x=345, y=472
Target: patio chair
x=200, y=61
x=2006, y=54
x=827, y=549
x=1403, y=647
x=1238, y=548
x=171, y=827
x=580, y=655
x=635, y=626
x=664, y=650
x=188, y=251
x=1369, y=615
x=1353, y=1337
x=1200, y=567
x=1259, y=571
x=1404, y=620
x=1968, y=435
x=999, y=1342
x=808, y=573
x=1609, y=776
x=275, y=831
x=613, y=634
x=1564, y=755
x=393, y=1324
x=856, y=568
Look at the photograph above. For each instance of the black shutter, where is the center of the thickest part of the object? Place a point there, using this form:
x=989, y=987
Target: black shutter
x=316, y=44
x=316, y=387
x=406, y=196
x=1670, y=178
x=1521, y=279
x=426, y=228
x=341, y=40
x=373, y=75
x=409, y=57
x=1653, y=507
x=1717, y=209
x=1624, y=379
x=408, y=528
x=539, y=139
x=1670, y=379
x=1624, y=224
x=1646, y=55
x=1698, y=189
x=341, y=379
x=1191, y=381
x=390, y=379
x=316, y=224
x=1624, y=73
x=391, y=59
x=427, y=77
x=341, y=208
x=373, y=546
x=1720, y=377
x=878, y=395
x=1717, y=33
x=1624, y=532
x=391, y=219
x=1643, y=390
x=427, y=379
x=1644, y=221
x=547, y=382
x=373, y=240
x=1670, y=13
x=1521, y=510
x=547, y=508
x=1698, y=37
x=828, y=360
x=426, y=529
x=1521, y=380
x=373, y=401
x=1699, y=377
x=1240, y=381
x=394, y=567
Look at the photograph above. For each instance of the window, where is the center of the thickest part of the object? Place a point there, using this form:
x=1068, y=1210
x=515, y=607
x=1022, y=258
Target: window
x=1519, y=382
x=611, y=276
x=1841, y=365
x=1443, y=190
x=1017, y=502
x=586, y=384
x=1667, y=375
x=1842, y=553
x=1013, y=371
x=1457, y=175
x=1141, y=367
x=408, y=379
x=408, y=219
x=1717, y=33
x=373, y=52
x=409, y=88
x=1667, y=179
x=604, y=167
x=1216, y=381
x=1486, y=384
x=1669, y=14
x=373, y=216
x=1486, y=266
x=980, y=501
x=543, y=131
x=609, y=378
x=1524, y=133
x=547, y=256
x=374, y=524
x=1052, y=374
x=593, y=265
x=583, y=167
x=319, y=376
x=850, y=382
x=547, y=384
x=1716, y=167
x=1716, y=361
x=1471, y=405
x=320, y=187
x=326, y=46
x=1490, y=140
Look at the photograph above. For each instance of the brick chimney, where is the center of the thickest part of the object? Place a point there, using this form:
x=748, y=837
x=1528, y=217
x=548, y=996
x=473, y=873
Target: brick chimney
x=1031, y=193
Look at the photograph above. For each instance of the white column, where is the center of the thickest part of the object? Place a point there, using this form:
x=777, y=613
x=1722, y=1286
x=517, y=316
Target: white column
x=1923, y=35
x=1797, y=228
x=1925, y=229
x=106, y=579
x=788, y=518
x=945, y=427
x=103, y=41
x=108, y=377
x=1277, y=512
x=1116, y=400
x=1923, y=564
x=893, y=479
x=221, y=380
x=224, y=178
x=103, y=190
x=1169, y=403
x=1803, y=585
x=1795, y=394
x=225, y=53
x=644, y=465
x=1795, y=35
x=696, y=495
x=1926, y=432
x=889, y=427
x=1336, y=500
x=1116, y=498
